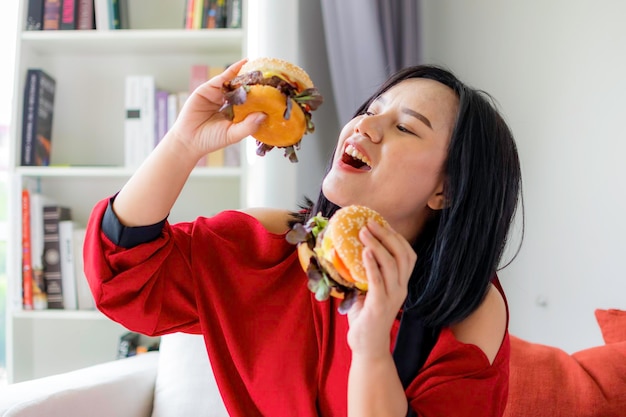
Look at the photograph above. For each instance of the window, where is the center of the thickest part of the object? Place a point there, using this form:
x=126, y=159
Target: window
x=8, y=29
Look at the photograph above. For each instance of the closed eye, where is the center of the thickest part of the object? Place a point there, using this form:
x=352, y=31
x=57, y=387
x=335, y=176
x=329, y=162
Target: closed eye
x=405, y=130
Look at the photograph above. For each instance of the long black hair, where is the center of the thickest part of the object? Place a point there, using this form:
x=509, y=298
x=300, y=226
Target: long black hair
x=461, y=245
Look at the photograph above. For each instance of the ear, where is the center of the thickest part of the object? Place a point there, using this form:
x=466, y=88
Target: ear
x=438, y=201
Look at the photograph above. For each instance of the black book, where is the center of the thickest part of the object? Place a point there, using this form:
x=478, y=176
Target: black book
x=52, y=215
x=34, y=19
x=37, y=116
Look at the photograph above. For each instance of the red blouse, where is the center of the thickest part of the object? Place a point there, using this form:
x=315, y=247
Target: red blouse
x=274, y=349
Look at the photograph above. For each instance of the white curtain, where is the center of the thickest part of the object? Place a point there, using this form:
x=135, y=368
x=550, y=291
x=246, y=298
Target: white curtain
x=367, y=40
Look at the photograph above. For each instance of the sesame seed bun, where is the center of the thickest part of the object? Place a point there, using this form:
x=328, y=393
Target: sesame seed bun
x=286, y=69
x=341, y=236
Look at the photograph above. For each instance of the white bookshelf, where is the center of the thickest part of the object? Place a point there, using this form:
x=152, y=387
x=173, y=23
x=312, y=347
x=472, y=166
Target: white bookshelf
x=87, y=157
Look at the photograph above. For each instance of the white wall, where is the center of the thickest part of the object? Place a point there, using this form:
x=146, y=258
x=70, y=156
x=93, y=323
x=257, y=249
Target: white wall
x=291, y=30
x=558, y=70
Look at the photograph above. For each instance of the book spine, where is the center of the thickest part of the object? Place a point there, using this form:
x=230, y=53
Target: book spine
x=83, y=292
x=220, y=15
x=37, y=202
x=114, y=14
x=190, y=4
x=29, y=117
x=52, y=215
x=232, y=155
x=140, y=122
x=34, y=18
x=69, y=14
x=161, y=115
x=45, y=115
x=172, y=109
x=27, y=269
x=199, y=74
x=233, y=14
x=85, y=19
x=124, y=16
x=101, y=10
x=51, y=14
x=198, y=7
x=66, y=252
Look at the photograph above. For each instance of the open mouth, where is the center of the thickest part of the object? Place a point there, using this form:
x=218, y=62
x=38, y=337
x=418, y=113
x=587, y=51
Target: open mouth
x=355, y=159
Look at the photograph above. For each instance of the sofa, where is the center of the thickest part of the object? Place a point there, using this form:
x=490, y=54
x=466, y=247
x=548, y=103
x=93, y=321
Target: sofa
x=177, y=381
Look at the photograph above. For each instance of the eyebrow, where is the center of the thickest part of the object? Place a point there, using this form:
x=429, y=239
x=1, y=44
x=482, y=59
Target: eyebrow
x=410, y=112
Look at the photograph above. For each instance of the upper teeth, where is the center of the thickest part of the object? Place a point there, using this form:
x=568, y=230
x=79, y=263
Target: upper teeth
x=351, y=150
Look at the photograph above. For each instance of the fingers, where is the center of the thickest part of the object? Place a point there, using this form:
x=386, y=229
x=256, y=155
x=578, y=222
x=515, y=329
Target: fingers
x=388, y=258
x=248, y=126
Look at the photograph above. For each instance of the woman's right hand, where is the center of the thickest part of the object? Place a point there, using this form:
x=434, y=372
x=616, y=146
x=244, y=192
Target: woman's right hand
x=201, y=127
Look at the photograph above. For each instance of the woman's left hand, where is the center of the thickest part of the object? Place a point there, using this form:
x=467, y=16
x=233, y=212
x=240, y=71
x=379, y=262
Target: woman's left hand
x=389, y=260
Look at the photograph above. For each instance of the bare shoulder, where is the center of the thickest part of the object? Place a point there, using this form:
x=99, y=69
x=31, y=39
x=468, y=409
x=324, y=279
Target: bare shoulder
x=274, y=220
x=486, y=326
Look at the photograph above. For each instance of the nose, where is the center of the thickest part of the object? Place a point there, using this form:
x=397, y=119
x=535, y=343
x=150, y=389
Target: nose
x=369, y=127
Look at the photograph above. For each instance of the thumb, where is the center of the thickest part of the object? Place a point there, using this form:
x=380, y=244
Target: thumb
x=249, y=125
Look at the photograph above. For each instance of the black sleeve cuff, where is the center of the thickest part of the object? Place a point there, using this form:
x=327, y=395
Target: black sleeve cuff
x=128, y=237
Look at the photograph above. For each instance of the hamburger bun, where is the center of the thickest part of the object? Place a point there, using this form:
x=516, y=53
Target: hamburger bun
x=330, y=252
x=284, y=69
x=281, y=90
x=343, y=246
x=275, y=129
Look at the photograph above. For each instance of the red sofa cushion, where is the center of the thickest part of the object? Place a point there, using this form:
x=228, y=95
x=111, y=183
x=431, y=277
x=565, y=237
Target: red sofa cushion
x=612, y=325
x=547, y=381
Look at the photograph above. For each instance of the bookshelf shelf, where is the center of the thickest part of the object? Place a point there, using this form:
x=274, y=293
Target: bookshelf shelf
x=115, y=42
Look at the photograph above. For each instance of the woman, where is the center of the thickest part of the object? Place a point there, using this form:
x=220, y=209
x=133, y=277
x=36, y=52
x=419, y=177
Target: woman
x=430, y=338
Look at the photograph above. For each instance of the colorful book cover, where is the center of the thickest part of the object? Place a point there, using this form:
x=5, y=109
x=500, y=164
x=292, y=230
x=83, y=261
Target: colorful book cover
x=27, y=269
x=69, y=14
x=51, y=14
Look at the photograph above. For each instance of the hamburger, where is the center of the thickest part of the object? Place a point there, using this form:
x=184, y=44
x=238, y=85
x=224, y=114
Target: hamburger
x=330, y=252
x=281, y=90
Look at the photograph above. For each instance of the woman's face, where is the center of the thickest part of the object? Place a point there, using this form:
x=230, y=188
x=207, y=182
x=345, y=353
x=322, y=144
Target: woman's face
x=391, y=159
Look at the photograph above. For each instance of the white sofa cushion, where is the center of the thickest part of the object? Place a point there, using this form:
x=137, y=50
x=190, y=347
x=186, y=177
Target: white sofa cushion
x=185, y=385
x=122, y=388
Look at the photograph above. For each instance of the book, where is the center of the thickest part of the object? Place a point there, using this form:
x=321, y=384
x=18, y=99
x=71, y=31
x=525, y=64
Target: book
x=52, y=215
x=34, y=17
x=198, y=75
x=233, y=14
x=232, y=155
x=83, y=292
x=172, y=109
x=66, y=259
x=198, y=7
x=189, y=8
x=69, y=14
x=37, y=117
x=86, y=15
x=114, y=14
x=124, y=16
x=27, y=273
x=161, y=102
x=102, y=14
x=37, y=201
x=51, y=14
x=140, y=119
